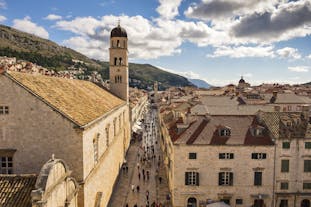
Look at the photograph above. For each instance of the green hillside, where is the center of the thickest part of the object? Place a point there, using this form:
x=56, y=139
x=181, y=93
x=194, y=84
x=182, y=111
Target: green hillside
x=14, y=43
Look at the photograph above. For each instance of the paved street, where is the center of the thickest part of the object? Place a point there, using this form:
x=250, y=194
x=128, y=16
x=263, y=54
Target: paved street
x=145, y=176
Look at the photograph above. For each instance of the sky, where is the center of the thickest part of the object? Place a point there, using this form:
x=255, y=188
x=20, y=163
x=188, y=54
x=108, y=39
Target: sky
x=265, y=41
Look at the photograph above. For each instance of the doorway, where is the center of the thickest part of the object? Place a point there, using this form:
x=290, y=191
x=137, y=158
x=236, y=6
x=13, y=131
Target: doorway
x=258, y=203
x=192, y=202
x=305, y=203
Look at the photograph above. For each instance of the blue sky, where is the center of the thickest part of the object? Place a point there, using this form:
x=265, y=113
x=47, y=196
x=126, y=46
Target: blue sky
x=218, y=41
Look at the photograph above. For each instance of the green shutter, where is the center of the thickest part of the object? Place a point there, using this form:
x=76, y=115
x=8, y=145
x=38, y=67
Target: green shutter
x=198, y=179
x=220, y=175
x=186, y=178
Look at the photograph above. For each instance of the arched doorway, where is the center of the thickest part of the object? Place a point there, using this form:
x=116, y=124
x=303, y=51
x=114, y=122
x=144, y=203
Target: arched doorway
x=305, y=203
x=192, y=202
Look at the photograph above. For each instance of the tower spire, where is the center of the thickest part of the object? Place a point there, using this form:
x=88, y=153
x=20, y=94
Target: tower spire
x=119, y=22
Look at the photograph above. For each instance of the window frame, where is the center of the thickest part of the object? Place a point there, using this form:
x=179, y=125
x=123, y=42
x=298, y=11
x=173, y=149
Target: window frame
x=192, y=156
x=4, y=110
x=226, y=156
x=284, y=185
x=307, y=166
x=192, y=178
x=225, y=178
x=259, y=155
x=257, y=178
x=306, y=185
x=286, y=145
x=284, y=169
x=307, y=145
x=6, y=164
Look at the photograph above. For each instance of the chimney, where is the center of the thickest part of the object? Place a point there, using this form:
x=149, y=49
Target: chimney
x=275, y=94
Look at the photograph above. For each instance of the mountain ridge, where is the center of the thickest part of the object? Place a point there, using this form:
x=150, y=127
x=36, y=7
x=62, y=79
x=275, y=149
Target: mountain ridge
x=46, y=53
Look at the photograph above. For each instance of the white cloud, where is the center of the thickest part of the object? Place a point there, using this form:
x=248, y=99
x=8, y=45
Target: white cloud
x=288, y=52
x=300, y=69
x=53, y=17
x=27, y=25
x=3, y=4
x=168, y=9
x=248, y=75
x=242, y=51
x=2, y=18
x=309, y=56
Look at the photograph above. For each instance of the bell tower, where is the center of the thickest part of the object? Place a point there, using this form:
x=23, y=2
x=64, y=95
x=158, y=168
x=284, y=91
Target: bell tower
x=118, y=64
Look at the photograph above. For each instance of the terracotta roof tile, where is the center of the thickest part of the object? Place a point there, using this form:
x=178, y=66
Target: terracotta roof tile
x=80, y=101
x=15, y=190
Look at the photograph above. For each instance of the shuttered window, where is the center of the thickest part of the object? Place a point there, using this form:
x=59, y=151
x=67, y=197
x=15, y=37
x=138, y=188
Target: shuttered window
x=192, y=178
x=258, y=178
x=225, y=178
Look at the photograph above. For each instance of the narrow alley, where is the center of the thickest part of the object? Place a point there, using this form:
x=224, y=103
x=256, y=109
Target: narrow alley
x=142, y=181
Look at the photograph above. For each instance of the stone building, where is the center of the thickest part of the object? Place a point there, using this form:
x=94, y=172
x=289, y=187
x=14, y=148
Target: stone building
x=76, y=120
x=212, y=158
x=52, y=187
x=292, y=134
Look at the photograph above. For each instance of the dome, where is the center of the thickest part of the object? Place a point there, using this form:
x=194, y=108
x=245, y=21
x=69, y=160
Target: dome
x=118, y=32
x=242, y=80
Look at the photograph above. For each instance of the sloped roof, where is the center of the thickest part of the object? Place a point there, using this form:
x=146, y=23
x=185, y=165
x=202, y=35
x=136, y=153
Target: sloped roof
x=205, y=131
x=15, y=190
x=288, y=98
x=80, y=101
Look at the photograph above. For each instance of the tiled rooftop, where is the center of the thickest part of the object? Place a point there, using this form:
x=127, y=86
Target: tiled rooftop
x=80, y=101
x=15, y=190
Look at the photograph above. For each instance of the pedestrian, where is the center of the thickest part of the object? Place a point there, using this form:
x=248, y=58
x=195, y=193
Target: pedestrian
x=147, y=174
x=160, y=179
x=138, y=165
x=143, y=171
x=137, y=188
x=126, y=169
x=147, y=195
x=138, y=175
x=127, y=205
x=133, y=187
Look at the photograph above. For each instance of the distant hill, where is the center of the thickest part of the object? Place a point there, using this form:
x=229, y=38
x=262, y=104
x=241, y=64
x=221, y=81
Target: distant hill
x=307, y=84
x=14, y=43
x=200, y=83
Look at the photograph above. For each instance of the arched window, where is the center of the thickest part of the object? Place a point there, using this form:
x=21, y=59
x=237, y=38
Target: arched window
x=120, y=79
x=95, y=147
x=120, y=61
x=124, y=44
x=305, y=203
x=107, y=135
x=116, y=79
x=115, y=126
x=115, y=61
x=192, y=202
x=118, y=43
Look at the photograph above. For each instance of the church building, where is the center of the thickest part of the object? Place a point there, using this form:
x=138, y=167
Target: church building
x=77, y=121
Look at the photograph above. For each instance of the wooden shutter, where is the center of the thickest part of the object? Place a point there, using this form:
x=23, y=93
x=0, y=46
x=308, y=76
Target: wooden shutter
x=231, y=178
x=186, y=178
x=198, y=179
x=220, y=175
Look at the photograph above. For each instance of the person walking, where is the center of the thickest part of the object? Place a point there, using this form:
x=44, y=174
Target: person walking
x=137, y=188
x=138, y=175
x=160, y=179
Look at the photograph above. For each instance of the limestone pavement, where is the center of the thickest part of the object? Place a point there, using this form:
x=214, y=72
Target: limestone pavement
x=145, y=176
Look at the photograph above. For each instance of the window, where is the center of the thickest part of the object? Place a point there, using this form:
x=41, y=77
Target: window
x=258, y=178
x=286, y=145
x=284, y=186
x=6, y=165
x=239, y=201
x=259, y=156
x=307, y=186
x=107, y=135
x=118, y=43
x=226, y=155
x=115, y=61
x=95, y=147
x=258, y=132
x=307, y=166
x=224, y=132
x=192, y=178
x=192, y=155
x=284, y=203
x=115, y=126
x=285, y=166
x=4, y=110
x=307, y=145
x=225, y=178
